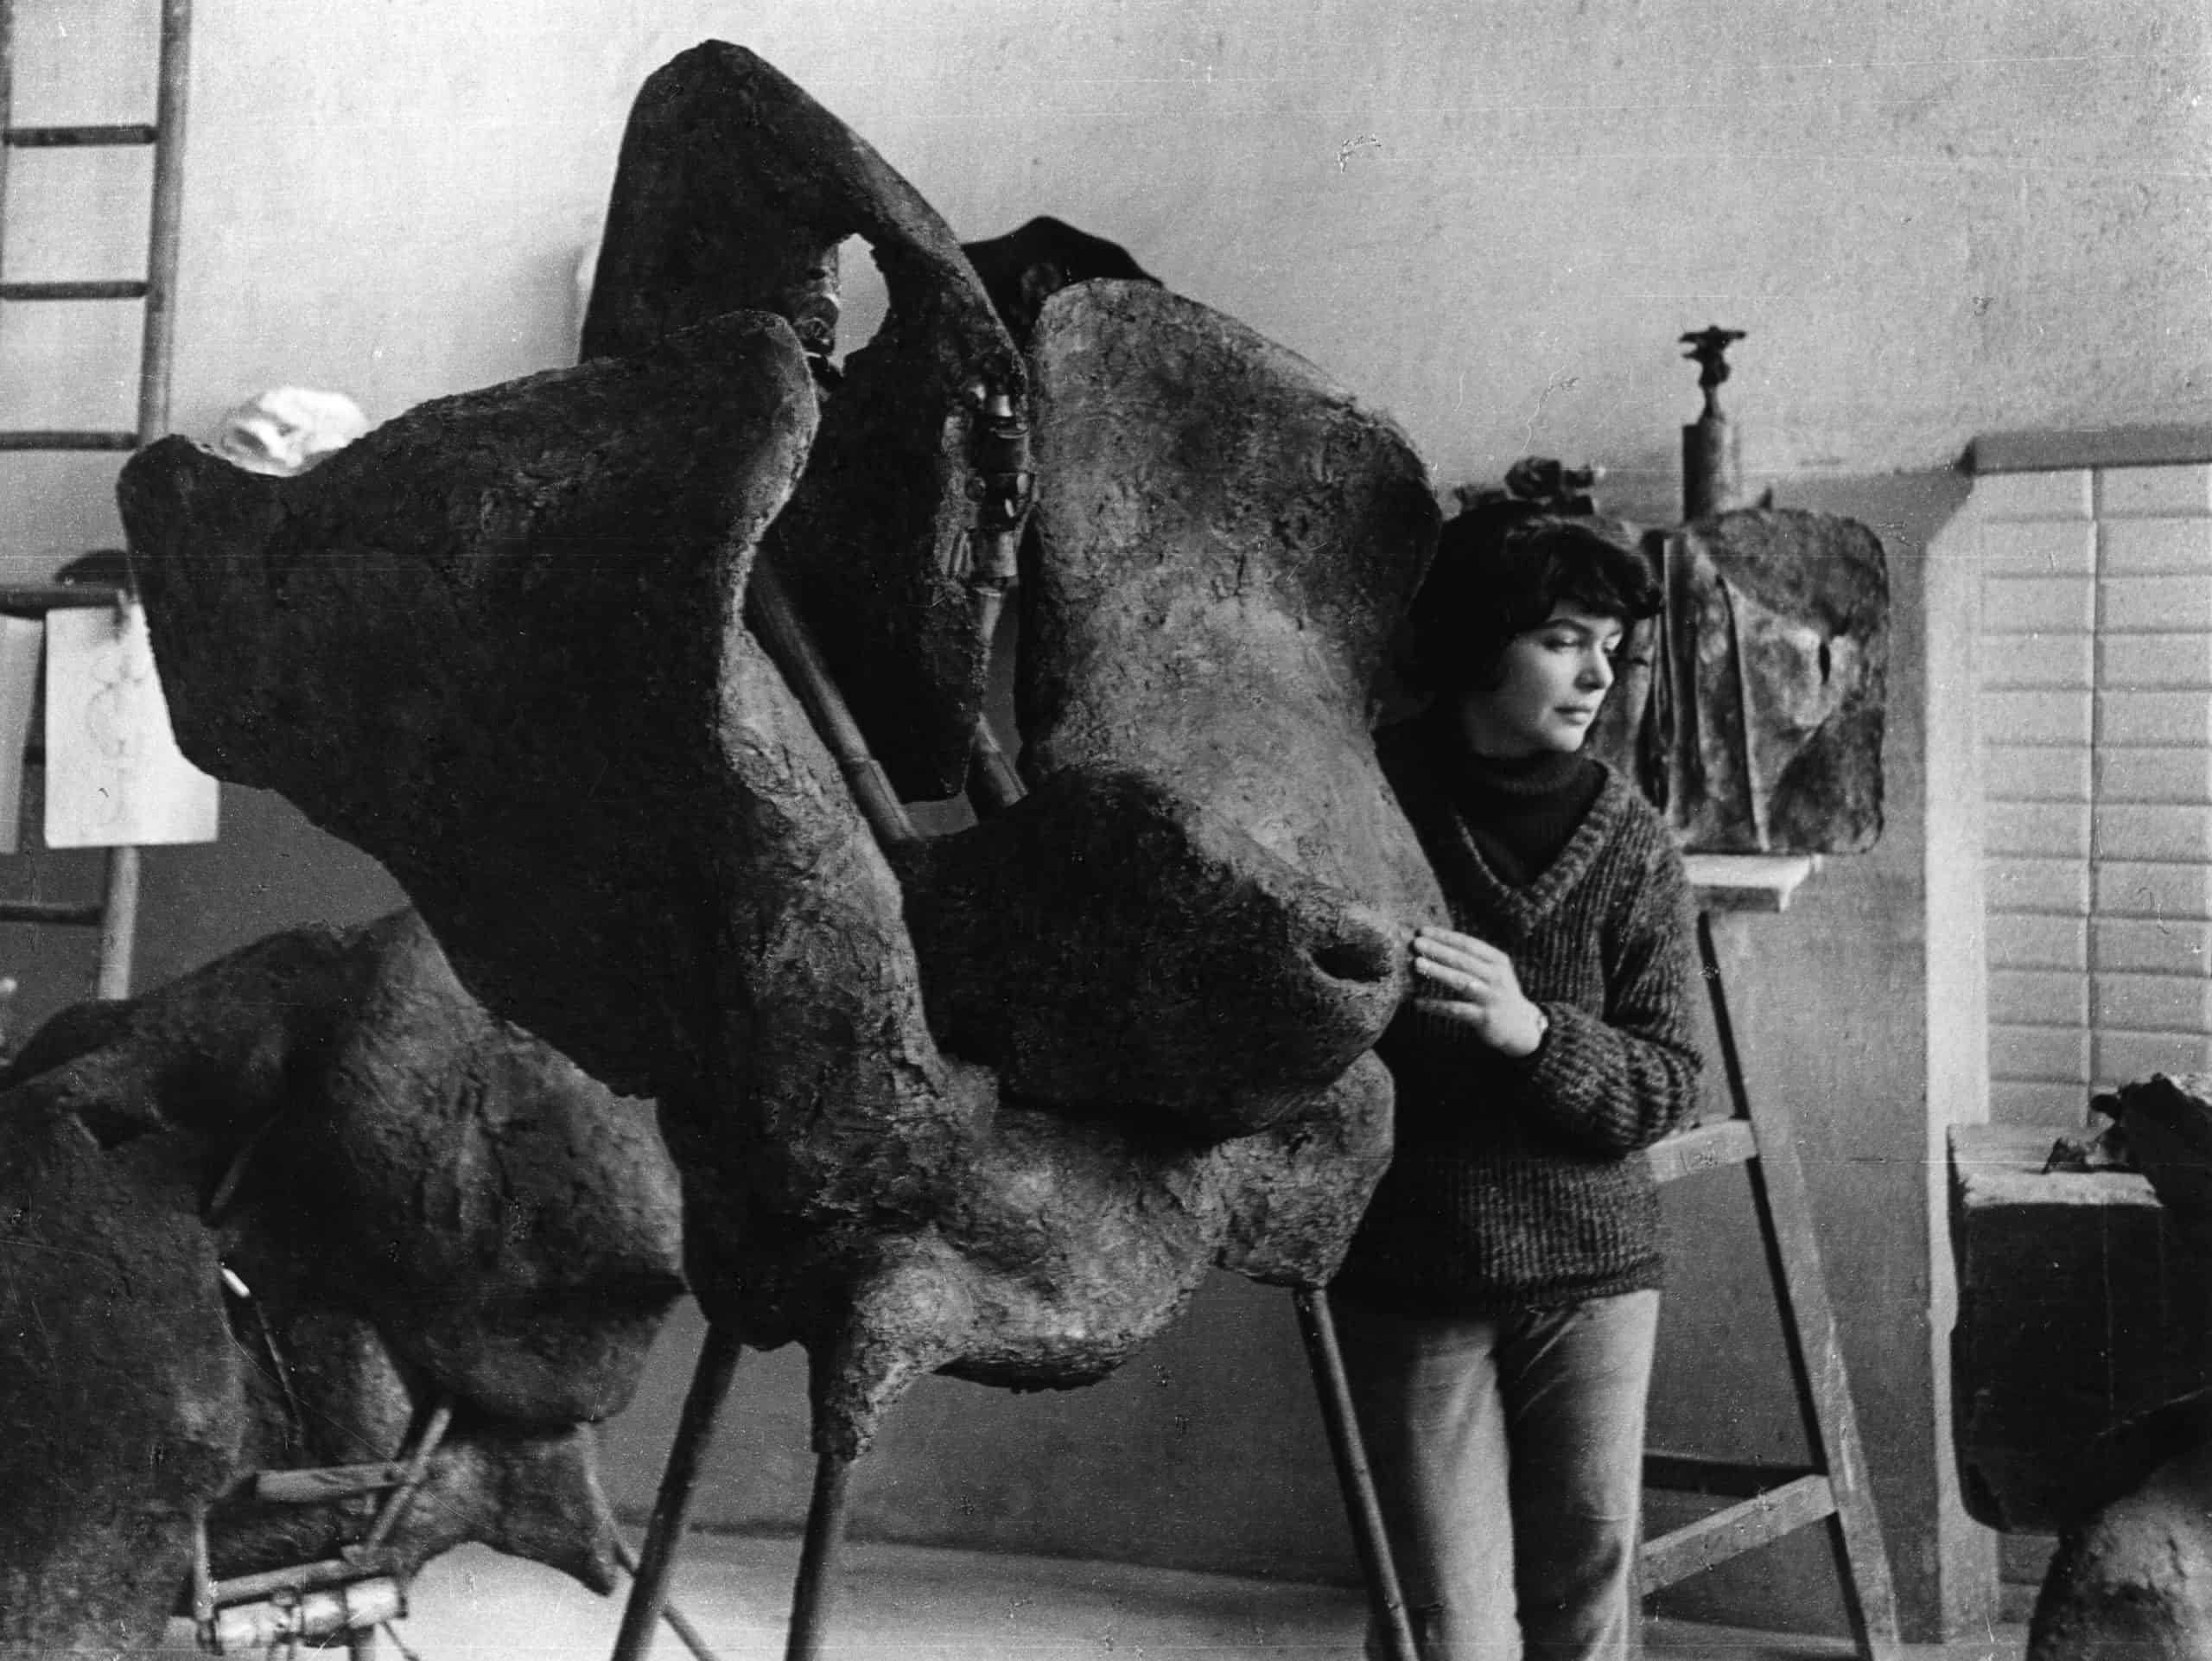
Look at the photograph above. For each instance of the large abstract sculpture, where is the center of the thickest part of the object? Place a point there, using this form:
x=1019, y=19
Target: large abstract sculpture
x=287, y=1212
x=623, y=827
x=498, y=644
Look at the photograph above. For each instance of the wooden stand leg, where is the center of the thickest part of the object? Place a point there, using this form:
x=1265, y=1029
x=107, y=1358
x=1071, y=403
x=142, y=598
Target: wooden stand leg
x=710, y=1382
x=816, y=1593
x=1815, y=1353
x=1385, y=1600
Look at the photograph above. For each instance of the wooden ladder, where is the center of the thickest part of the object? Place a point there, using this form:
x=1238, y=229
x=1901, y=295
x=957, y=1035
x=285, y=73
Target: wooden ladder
x=116, y=913
x=1772, y=1500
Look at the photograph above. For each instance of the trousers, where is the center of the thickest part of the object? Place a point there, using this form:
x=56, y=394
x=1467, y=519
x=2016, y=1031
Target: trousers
x=1508, y=1453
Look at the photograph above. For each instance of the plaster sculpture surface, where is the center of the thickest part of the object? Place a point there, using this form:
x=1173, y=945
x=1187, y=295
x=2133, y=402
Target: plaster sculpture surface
x=734, y=192
x=259, y=1219
x=421, y=642
x=1221, y=546
x=1774, y=687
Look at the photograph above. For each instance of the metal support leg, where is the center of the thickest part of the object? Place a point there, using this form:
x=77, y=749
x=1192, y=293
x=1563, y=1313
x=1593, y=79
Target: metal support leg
x=678, y=1622
x=1385, y=1600
x=710, y=1382
x=816, y=1594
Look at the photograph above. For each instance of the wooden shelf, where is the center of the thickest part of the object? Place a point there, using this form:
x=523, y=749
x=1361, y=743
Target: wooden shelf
x=1757, y=882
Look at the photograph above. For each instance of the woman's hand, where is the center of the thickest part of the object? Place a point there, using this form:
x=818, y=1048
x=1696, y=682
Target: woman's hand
x=1473, y=982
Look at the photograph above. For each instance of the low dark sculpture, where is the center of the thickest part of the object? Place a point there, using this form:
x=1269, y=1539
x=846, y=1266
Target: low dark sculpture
x=1031, y=263
x=267, y=1217
x=2132, y=1574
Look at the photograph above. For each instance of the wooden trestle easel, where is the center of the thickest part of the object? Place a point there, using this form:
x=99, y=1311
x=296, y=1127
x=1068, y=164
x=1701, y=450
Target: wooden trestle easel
x=1772, y=1500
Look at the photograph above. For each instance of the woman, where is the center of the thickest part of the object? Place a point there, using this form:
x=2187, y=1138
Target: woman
x=1500, y=1301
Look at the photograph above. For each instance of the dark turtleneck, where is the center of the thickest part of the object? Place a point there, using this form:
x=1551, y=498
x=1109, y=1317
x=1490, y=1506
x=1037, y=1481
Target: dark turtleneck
x=1520, y=810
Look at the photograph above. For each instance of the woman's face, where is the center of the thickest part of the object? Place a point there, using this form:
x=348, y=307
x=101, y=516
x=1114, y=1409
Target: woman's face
x=1556, y=677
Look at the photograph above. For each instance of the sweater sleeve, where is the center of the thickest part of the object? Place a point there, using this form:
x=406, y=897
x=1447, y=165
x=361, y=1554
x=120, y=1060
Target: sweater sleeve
x=1621, y=1082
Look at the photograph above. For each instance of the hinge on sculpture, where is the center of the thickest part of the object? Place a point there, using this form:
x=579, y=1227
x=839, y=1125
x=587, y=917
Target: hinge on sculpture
x=1003, y=486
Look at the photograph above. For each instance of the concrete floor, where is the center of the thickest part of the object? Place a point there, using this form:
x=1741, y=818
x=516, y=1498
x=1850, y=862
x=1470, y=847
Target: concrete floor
x=931, y=1605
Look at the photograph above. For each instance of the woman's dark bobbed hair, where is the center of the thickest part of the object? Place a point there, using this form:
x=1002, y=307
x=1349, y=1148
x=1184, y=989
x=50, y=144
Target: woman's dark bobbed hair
x=1501, y=569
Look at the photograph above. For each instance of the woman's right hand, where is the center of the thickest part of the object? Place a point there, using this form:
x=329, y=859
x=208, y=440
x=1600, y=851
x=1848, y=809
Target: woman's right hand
x=1471, y=982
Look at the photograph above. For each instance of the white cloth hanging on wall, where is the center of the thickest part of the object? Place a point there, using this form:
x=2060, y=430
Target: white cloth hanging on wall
x=114, y=775
x=22, y=639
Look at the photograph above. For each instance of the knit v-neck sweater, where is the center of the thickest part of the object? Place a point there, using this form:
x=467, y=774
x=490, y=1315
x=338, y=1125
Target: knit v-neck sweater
x=1521, y=810
x=1518, y=1182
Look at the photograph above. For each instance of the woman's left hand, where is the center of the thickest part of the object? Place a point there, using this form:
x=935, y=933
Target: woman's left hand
x=1473, y=982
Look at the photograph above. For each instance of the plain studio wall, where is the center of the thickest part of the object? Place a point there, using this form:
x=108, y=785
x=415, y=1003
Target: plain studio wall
x=1492, y=222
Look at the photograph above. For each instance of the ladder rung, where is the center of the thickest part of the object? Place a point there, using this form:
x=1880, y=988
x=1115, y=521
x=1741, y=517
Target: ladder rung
x=69, y=137
x=1724, y=1478
x=116, y=288
x=51, y=912
x=29, y=440
x=59, y=596
x=1702, y=1148
x=1733, y=1531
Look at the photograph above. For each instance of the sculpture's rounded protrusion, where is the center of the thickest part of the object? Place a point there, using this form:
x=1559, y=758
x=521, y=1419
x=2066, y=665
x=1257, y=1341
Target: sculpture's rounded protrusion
x=2133, y=1580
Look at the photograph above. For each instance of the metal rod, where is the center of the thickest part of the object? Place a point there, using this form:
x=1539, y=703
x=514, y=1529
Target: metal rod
x=419, y=1466
x=203, y=1581
x=1362, y=1507
x=313, y=1484
x=157, y=344
x=693, y=1638
x=226, y=1188
x=710, y=1380
x=303, y=1577
x=784, y=634
x=993, y=784
x=815, y=1595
